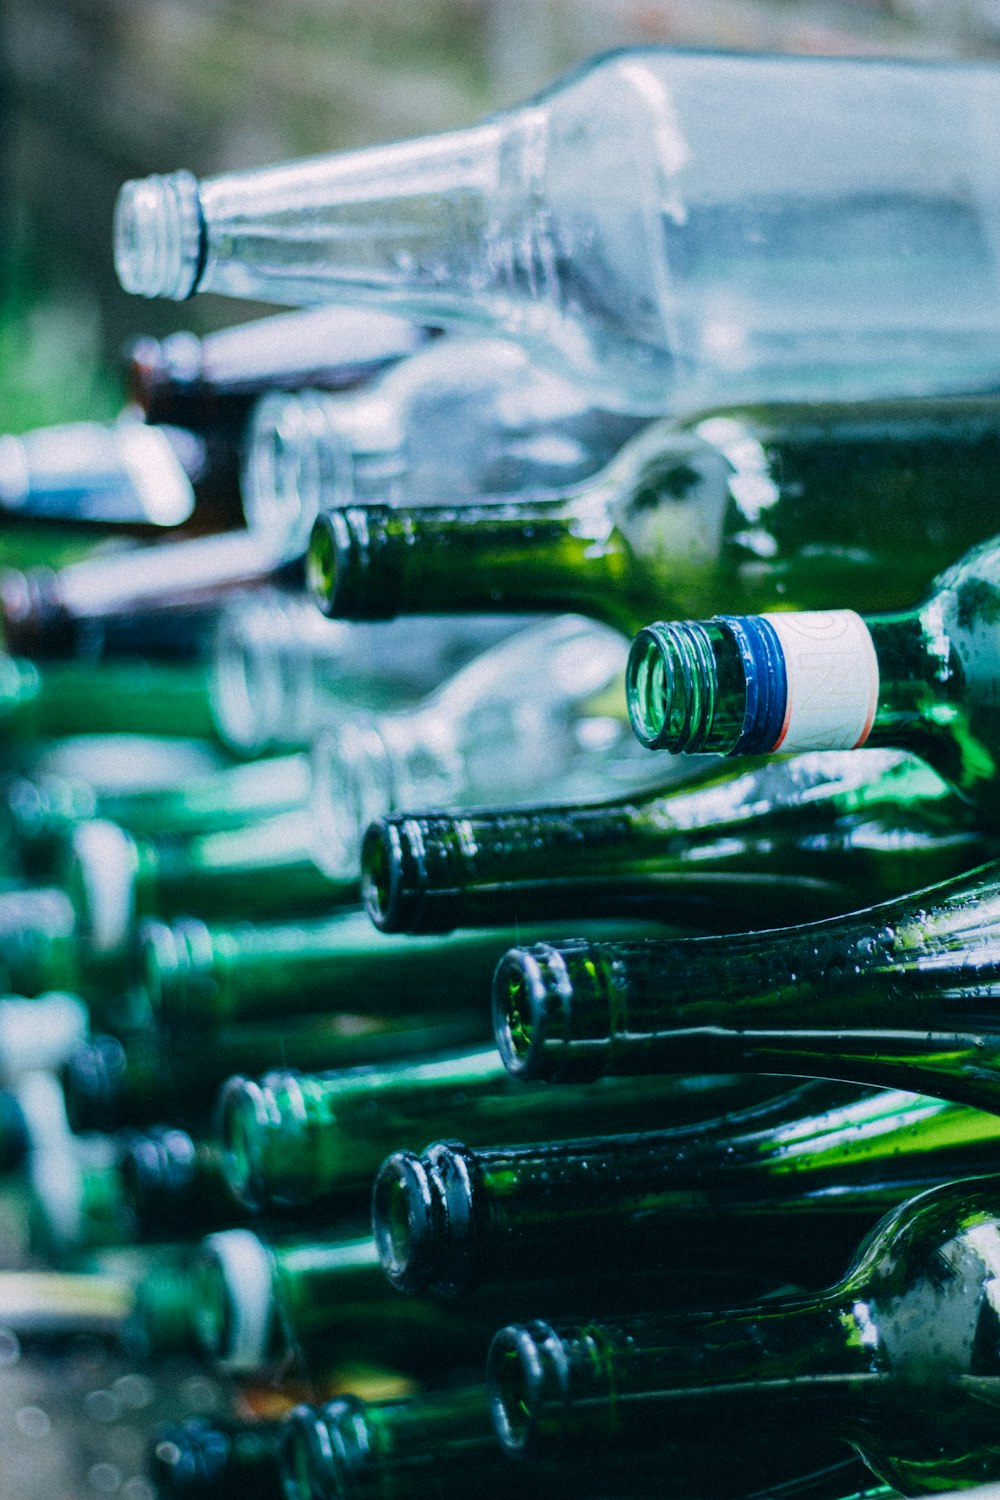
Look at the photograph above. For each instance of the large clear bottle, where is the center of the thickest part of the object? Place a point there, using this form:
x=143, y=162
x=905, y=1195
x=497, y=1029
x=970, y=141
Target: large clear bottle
x=668, y=226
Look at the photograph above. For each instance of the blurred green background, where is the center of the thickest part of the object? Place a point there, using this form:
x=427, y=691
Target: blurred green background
x=95, y=91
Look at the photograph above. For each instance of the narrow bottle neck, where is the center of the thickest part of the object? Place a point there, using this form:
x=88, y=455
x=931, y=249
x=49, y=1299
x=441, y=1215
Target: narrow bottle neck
x=229, y=234
x=825, y=995
x=374, y=563
x=205, y=1459
x=567, y=1389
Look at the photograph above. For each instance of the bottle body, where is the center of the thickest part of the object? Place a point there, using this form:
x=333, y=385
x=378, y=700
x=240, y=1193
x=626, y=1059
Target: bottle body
x=565, y=222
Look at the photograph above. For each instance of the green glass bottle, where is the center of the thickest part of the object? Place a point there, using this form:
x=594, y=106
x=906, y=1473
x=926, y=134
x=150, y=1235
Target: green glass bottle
x=898, y=1358
x=294, y=1139
x=792, y=840
x=925, y=679
x=107, y=697
x=217, y=1458
x=749, y=507
x=260, y=869
x=324, y=1304
x=419, y=1448
x=899, y=995
x=38, y=941
x=45, y=1309
x=111, y=1082
x=794, y=1188
x=161, y=1322
x=201, y=976
x=173, y=1185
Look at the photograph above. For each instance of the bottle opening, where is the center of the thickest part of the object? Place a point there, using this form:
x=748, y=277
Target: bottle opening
x=670, y=684
x=402, y=1221
x=380, y=877
x=298, y=1438
x=518, y=1010
x=515, y=1380
x=247, y=690
x=350, y=563
x=350, y=788
x=158, y=233
x=240, y=1109
x=282, y=481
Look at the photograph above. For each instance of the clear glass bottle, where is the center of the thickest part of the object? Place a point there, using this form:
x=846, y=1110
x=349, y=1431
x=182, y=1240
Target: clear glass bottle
x=927, y=679
x=297, y=1139
x=281, y=672
x=893, y=1359
x=899, y=996
x=210, y=382
x=795, y=1184
x=791, y=840
x=462, y=419
x=663, y=224
x=538, y=717
x=780, y=505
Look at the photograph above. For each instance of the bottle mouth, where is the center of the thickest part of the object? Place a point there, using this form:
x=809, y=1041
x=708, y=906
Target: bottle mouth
x=412, y=874
x=241, y=1116
x=526, y=1371
x=404, y=1221
x=351, y=788
x=292, y=468
x=159, y=236
x=246, y=693
x=531, y=989
x=670, y=681
x=187, y=1457
x=326, y=1451
x=176, y=960
x=235, y=1301
x=101, y=882
x=348, y=564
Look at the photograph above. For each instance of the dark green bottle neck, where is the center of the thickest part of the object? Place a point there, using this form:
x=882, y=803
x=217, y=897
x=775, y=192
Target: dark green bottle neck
x=786, y=832
x=376, y=562
x=871, y=997
x=211, y=1459
x=455, y=1217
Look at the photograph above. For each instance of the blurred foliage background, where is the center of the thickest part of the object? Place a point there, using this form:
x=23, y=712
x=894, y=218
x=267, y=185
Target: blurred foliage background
x=95, y=91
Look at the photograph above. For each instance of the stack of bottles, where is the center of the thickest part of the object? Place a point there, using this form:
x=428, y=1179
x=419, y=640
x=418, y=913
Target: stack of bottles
x=418, y=1011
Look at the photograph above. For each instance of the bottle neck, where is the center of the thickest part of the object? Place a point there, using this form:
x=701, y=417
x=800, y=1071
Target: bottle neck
x=867, y=997
x=374, y=563
x=565, y=1389
x=438, y=196
x=785, y=831
x=202, y=1457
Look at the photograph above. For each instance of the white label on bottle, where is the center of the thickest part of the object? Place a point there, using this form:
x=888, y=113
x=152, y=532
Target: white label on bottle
x=833, y=679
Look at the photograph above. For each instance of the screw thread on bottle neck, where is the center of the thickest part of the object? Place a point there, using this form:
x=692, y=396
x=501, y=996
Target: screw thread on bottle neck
x=159, y=236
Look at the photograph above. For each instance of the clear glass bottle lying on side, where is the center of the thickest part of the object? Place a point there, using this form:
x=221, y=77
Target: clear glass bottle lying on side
x=892, y=1359
x=926, y=679
x=209, y=383
x=295, y=1139
x=638, y=230
x=790, y=840
x=742, y=508
x=794, y=1185
x=900, y=996
x=194, y=975
x=122, y=474
x=280, y=671
x=536, y=718
x=462, y=419
x=217, y=1458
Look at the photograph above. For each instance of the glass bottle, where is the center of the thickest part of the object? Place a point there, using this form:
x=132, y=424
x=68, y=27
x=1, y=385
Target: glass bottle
x=263, y=868
x=925, y=679
x=121, y=474
x=201, y=976
x=895, y=1358
x=899, y=996
x=538, y=717
x=111, y=1082
x=45, y=1309
x=172, y=1184
x=39, y=1034
x=743, y=507
x=323, y=1303
x=211, y=382
x=38, y=945
x=663, y=224
x=293, y=1139
x=217, y=1458
x=280, y=671
x=61, y=698
x=794, y=1185
x=462, y=419
x=151, y=600
x=791, y=840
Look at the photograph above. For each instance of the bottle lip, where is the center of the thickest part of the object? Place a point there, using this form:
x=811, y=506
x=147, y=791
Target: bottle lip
x=240, y=1339
x=351, y=788
x=159, y=236
x=350, y=569
x=102, y=882
x=241, y=1112
x=404, y=1222
x=531, y=993
x=526, y=1370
